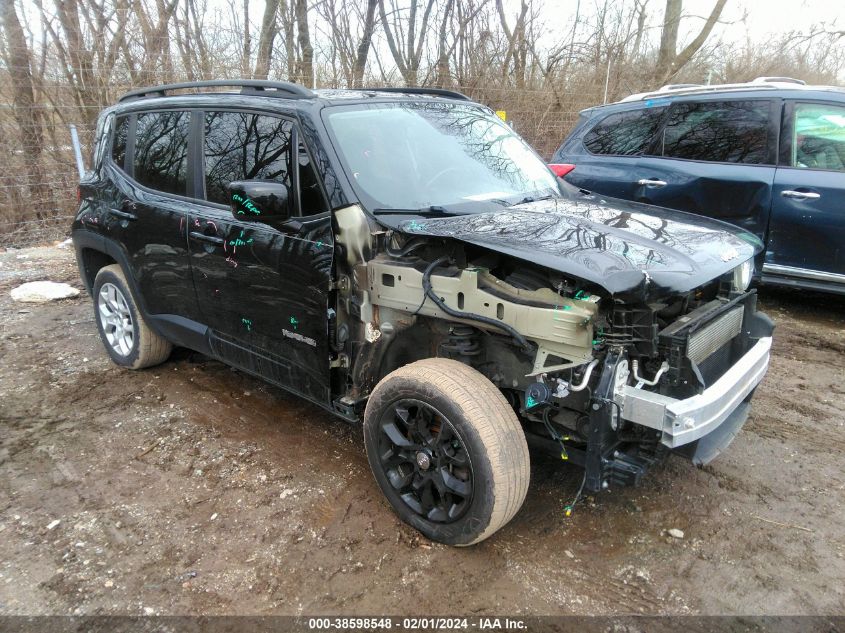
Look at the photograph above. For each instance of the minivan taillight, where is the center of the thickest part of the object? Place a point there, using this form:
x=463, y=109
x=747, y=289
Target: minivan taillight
x=561, y=169
x=78, y=194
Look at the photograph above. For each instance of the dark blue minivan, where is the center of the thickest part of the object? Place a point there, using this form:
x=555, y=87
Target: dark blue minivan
x=768, y=156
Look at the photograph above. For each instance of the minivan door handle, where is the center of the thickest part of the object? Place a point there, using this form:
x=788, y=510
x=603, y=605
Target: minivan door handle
x=800, y=195
x=651, y=182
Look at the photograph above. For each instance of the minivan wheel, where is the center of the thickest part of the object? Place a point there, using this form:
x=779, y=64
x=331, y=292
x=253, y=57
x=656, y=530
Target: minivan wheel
x=127, y=338
x=447, y=450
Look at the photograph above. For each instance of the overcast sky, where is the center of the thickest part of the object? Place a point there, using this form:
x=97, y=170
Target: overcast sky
x=763, y=16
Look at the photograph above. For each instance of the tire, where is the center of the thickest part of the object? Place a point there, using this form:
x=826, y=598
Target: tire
x=115, y=312
x=457, y=495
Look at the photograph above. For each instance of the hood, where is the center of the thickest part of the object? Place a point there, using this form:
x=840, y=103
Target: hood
x=623, y=247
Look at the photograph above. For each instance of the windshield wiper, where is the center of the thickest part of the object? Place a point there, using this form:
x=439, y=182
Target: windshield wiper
x=527, y=199
x=433, y=211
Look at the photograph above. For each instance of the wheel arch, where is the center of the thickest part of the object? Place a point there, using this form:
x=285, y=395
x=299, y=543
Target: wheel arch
x=94, y=252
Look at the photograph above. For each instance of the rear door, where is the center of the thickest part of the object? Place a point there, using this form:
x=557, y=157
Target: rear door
x=807, y=236
x=263, y=290
x=715, y=158
x=609, y=152
x=150, y=165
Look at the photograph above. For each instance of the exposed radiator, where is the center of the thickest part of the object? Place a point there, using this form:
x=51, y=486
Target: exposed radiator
x=713, y=335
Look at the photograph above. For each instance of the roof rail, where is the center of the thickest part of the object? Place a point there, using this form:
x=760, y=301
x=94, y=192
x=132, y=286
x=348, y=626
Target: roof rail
x=778, y=80
x=435, y=92
x=670, y=87
x=768, y=83
x=283, y=89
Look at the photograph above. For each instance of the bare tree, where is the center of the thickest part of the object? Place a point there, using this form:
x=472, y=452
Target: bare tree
x=344, y=21
x=265, y=41
x=17, y=60
x=305, y=68
x=516, y=55
x=364, y=44
x=406, y=38
x=669, y=61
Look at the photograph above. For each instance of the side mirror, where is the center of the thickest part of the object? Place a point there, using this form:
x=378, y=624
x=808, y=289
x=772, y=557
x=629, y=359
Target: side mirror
x=259, y=199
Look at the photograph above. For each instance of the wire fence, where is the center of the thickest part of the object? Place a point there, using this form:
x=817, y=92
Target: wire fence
x=38, y=182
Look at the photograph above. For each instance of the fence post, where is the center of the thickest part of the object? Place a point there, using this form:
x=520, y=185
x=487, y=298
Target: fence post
x=77, y=150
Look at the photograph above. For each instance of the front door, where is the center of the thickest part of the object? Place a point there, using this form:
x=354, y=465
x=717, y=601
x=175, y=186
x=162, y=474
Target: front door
x=807, y=236
x=262, y=289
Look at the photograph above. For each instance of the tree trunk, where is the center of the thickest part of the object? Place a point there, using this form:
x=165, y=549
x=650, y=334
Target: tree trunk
x=669, y=61
x=23, y=105
x=246, y=53
x=305, y=48
x=265, y=41
x=364, y=45
x=669, y=37
x=443, y=79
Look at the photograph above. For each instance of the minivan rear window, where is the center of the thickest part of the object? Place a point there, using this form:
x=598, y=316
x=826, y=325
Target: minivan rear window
x=718, y=131
x=161, y=151
x=624, y=133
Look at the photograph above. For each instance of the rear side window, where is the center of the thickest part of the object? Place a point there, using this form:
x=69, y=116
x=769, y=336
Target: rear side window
x=819, y=136
x=624, y=133
x=161, y=151
x=244, y=146
x=723, y=132
x=118, y=147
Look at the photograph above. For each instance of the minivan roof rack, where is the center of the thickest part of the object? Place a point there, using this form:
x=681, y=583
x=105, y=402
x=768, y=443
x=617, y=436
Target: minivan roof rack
x=767, y=83
x=435, y=92
x=259, y=87
x=778, y=80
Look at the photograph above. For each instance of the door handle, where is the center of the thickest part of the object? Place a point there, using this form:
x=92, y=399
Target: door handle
x=123, y=215
x=800, y=195
x=211, y=239
x=651, y=182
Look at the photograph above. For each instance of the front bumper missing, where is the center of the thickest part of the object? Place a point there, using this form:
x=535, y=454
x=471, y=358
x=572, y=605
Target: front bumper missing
x=684, y=421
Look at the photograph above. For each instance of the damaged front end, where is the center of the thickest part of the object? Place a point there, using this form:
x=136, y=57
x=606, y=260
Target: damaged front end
x=609, y=382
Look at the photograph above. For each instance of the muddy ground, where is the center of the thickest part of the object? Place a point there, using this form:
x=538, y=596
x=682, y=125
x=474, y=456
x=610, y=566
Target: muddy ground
x=191, y=488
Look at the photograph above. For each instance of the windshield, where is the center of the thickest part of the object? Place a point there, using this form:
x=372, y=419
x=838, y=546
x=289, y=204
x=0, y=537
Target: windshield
x=420, y=155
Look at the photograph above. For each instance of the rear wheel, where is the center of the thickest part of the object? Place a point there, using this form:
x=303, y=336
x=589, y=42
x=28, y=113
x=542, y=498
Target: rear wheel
x=447, y=450
x=127, y=338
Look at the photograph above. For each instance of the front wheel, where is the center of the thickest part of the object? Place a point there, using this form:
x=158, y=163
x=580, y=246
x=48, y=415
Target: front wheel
x=447, y=450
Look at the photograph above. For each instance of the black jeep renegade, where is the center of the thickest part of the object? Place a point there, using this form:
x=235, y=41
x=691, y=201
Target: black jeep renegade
x=403, y=259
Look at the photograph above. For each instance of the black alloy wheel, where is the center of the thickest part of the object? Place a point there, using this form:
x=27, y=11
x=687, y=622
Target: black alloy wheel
x=425, y=460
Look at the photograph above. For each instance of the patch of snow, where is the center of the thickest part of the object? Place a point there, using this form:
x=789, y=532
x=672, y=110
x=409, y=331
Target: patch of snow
x=43, y=291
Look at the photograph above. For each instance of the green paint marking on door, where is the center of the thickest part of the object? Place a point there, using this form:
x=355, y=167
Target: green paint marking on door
x=240, y=241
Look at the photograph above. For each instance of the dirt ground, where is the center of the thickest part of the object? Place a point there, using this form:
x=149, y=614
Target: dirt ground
x=191, y=488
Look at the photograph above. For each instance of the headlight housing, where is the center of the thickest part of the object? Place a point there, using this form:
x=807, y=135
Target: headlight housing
x=742, y=275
